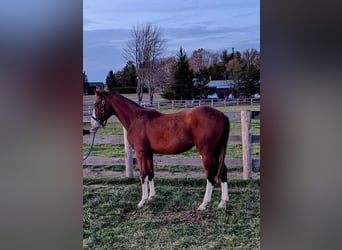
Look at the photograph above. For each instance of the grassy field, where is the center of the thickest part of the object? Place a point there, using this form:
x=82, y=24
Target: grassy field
x=170, y=221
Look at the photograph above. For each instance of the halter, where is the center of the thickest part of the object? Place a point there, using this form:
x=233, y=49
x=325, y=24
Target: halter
x=102, y=113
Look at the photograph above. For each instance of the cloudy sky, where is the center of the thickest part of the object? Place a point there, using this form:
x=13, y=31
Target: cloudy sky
x=210, y=24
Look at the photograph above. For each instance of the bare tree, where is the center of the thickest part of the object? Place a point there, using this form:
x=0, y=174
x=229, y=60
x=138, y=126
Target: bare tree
x=144, y=48
x=251, y=57
x=201, y=59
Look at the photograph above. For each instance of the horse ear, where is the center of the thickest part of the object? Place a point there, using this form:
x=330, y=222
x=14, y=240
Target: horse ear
x=97, y=92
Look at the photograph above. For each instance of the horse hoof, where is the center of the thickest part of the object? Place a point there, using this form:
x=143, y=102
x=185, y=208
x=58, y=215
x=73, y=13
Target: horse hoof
x=202, y=207
x=151, y=197
x=222, y=204
x=141, y=203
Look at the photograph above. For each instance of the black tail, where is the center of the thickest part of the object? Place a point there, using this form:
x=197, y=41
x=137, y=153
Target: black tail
x=222, y=146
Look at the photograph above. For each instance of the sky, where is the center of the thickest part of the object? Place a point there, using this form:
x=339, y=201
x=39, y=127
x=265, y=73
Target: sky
x=214, y=25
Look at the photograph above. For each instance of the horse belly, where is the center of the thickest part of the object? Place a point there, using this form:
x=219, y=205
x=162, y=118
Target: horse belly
x=172, y=146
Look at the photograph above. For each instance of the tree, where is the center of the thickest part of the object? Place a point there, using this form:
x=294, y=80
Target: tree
x=244, y=69
x=161, y=75
x=143, y=49
x=85, y=83
x=127, y=77
x=201, y=59
x=251, y=58
x=250, y=77
x=111, y=81
x=233, y=69
x=181, y=86
x=225, y=59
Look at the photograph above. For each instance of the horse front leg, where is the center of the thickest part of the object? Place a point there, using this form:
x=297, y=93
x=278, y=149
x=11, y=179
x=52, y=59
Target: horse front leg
x=207, y=196
x=150, y=176
x=142, y=162
x=145, y=161
x=144, y=187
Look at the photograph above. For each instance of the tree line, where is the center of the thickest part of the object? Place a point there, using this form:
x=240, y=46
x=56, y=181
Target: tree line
x=180, y=76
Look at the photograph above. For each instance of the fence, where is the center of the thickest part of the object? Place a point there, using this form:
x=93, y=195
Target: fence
x=247, y=139
x=177, y=104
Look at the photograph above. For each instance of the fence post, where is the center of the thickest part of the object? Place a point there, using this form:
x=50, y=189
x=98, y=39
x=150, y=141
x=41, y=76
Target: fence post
x=246, y=135
x=128, y=155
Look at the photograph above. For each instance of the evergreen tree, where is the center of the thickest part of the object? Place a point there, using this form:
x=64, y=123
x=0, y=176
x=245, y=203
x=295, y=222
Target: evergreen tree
x=248, y=83
x=111, y=81
x=128, y=76
x=181, y=86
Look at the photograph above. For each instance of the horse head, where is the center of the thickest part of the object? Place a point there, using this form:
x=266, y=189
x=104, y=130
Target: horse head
x=102, y=109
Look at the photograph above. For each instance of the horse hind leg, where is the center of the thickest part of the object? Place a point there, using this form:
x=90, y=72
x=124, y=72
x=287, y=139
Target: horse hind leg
x=222, y=176
x=207, y=196
x=212, y=171
x=224, y=195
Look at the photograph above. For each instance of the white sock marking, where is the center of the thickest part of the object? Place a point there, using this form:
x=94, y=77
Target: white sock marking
x=144, y=197
x=224, y=194
x=152, y=191
x=224, y=188
x=207, y=196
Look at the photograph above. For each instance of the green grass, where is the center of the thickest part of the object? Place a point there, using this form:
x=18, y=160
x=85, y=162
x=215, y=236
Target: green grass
x=113, y=128
x=170, y=221
x=105, y=150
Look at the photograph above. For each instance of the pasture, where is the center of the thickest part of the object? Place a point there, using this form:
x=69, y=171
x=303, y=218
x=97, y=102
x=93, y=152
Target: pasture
x=112, y=220
x=170, y=221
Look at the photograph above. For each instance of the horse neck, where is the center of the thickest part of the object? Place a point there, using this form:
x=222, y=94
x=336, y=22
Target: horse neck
x=125, y=109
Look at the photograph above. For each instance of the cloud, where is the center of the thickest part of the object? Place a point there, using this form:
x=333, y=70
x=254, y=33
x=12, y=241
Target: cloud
x=192, y=24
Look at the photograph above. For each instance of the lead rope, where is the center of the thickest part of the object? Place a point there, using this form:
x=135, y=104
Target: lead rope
x=91, y=145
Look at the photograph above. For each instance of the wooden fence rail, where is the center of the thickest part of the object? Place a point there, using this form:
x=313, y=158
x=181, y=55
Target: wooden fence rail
x=176, y=104
x=246, y=139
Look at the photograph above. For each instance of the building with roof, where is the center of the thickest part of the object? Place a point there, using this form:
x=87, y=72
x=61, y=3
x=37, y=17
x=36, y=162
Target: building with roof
x=221, y=87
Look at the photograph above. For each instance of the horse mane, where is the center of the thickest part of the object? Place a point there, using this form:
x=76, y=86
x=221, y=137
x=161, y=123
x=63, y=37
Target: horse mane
x=113, y=93
x=133, y=103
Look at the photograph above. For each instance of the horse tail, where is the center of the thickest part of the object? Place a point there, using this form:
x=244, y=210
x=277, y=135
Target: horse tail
x=222, y=146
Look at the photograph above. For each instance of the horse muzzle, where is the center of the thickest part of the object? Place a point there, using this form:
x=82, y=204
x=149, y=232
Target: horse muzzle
x=102, y=123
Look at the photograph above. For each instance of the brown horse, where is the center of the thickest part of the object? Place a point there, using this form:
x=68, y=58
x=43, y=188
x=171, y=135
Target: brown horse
x=149, y=131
